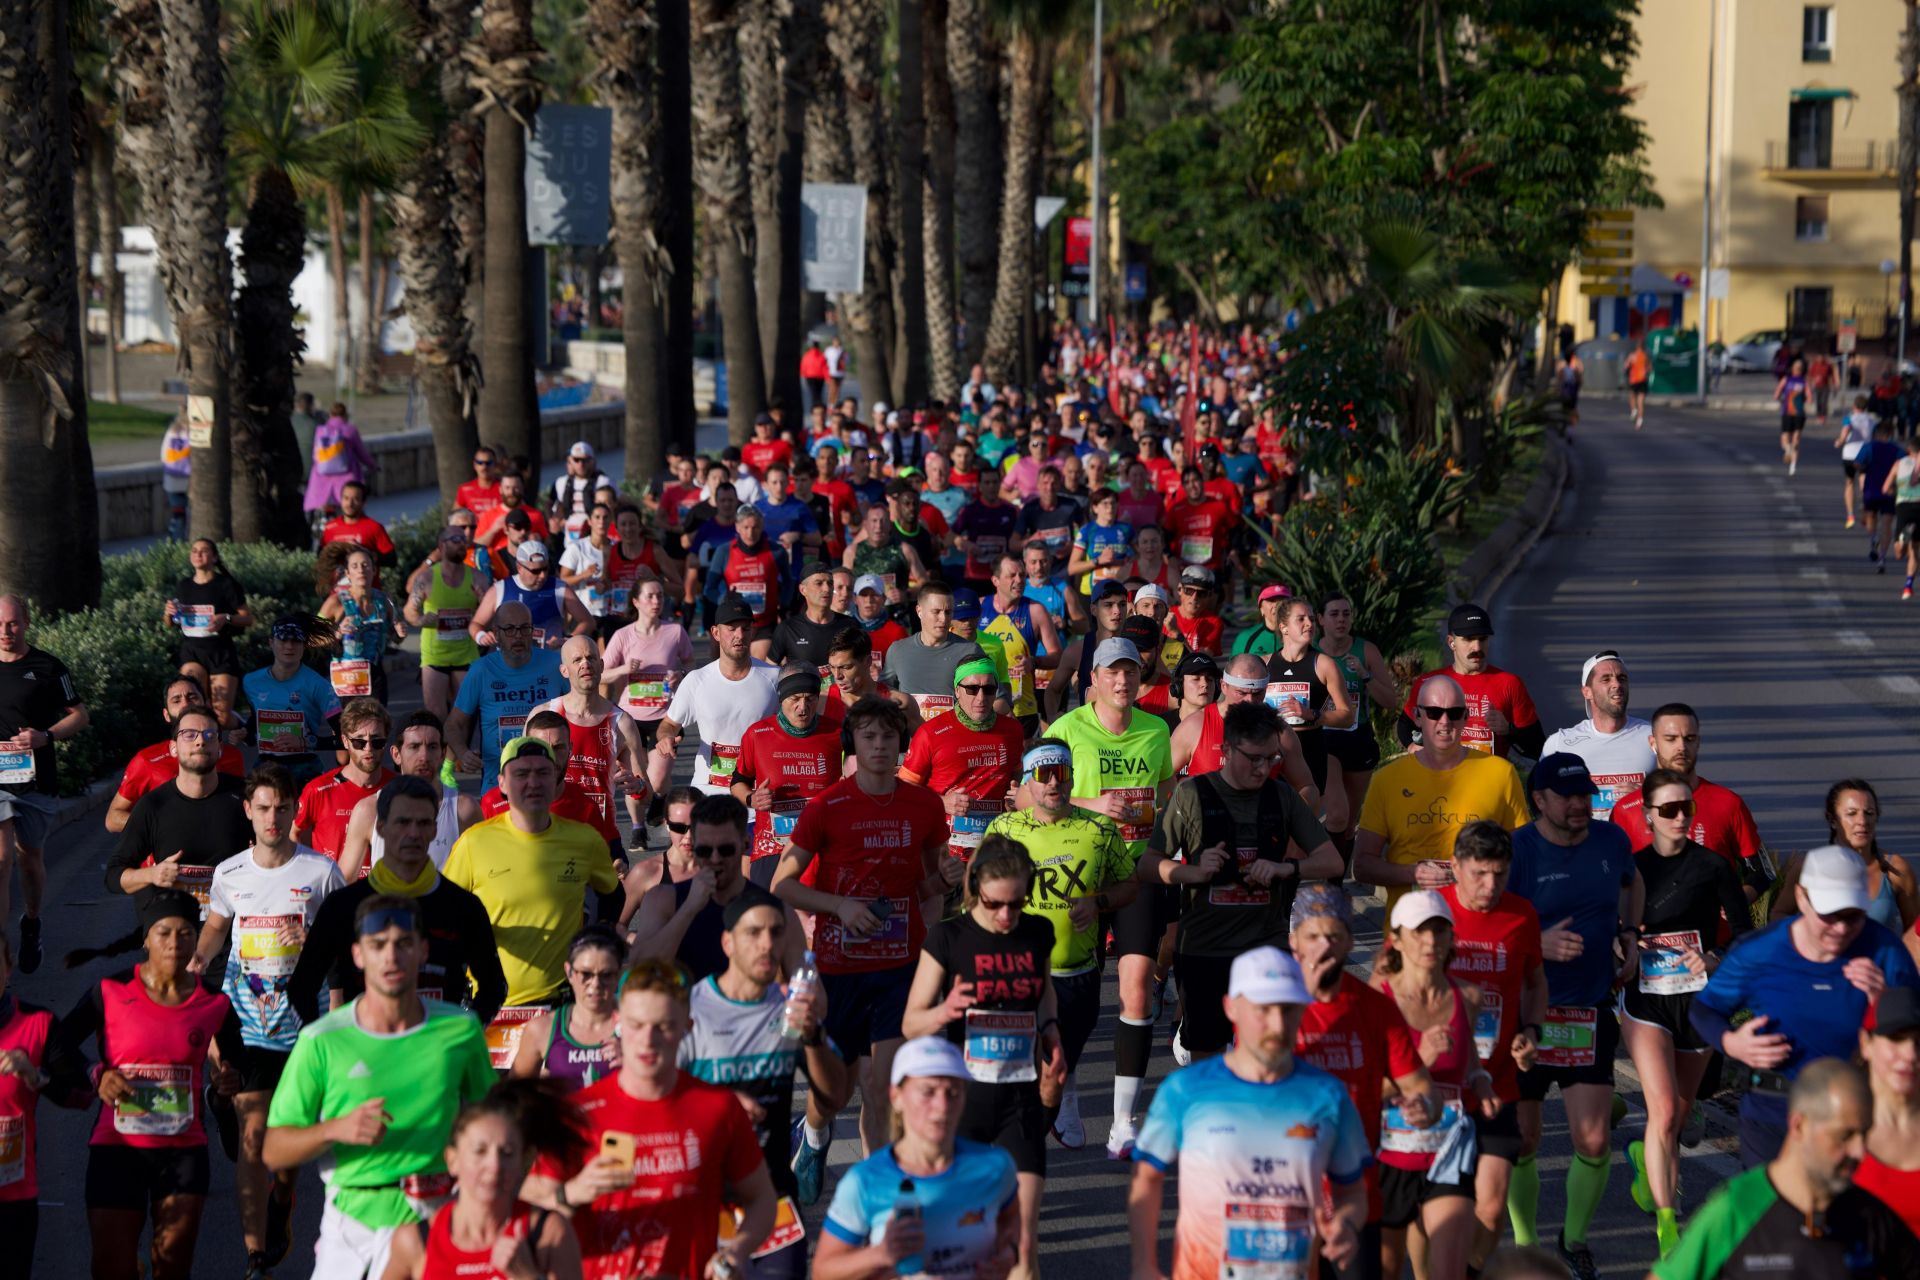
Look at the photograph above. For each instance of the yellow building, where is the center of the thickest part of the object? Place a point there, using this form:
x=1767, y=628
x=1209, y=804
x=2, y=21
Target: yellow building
x=1801, y=164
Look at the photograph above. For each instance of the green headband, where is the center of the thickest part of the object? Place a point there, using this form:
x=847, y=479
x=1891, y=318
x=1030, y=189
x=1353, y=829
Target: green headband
x=975, y=667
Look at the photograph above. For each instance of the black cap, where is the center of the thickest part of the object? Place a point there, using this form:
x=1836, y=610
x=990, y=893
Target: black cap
x=1196, y=663
x=1110, y=587
x=733, y=611
x=809, y=569
x=1142, y=630
x=795, y=680
x=1468, y=621
x=751, y=896
x=1563, y=773
x=1896, y=1013
x=763, y=419
x=518, y=519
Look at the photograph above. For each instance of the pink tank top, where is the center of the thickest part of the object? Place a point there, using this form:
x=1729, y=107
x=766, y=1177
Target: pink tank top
x=19, y=1171
x=1449, y=1073
x=162, y=1051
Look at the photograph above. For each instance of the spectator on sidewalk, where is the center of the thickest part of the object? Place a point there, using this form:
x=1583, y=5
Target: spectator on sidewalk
x=340, y=458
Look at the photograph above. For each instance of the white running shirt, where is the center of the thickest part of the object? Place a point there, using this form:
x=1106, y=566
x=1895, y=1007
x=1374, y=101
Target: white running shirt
x=723, y=710
x=1617, y=761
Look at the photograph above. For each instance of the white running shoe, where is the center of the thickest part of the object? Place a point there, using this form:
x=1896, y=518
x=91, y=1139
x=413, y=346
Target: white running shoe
x=1120, y=1139
x=1182, y=1056
x=1068, y=1130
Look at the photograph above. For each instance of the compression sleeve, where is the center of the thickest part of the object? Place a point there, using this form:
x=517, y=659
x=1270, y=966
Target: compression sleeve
x=1528, y=739
x=1709, y=1022
x=483, y=962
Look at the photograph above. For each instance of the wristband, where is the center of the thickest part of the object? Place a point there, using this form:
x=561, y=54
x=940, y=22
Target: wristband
x=560, y=1194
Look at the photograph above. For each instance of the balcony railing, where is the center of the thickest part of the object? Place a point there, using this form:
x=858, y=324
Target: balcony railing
x=1845, y=156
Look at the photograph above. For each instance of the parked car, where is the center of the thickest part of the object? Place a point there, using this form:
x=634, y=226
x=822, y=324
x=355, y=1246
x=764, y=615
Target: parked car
x=1753, y=353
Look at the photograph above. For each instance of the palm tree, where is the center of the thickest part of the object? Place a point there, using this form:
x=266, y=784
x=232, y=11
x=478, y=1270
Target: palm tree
x=910, y=260
x=427, y=237
x=974, y=60
x=856, y=34
x=1029, y=70
x=42, y=406
x=720, y=173
x=623, y=38
x=503, y=72
x=937, y=198
x=674, y=33
x=203, y=271
x=776, y=137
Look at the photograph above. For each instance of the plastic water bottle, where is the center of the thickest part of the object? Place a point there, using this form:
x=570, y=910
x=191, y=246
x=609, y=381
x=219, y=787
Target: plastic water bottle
x=906, y=1205
x=798, y=991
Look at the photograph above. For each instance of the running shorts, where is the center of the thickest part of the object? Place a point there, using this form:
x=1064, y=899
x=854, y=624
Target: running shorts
x=1403, y=1191
x=134, y=1178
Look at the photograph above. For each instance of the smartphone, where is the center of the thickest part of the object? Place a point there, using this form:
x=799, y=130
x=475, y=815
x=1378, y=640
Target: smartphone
x=882, y=907
x=618, y=1147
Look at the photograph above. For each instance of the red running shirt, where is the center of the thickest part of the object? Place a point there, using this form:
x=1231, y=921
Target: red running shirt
x=688, y=1147
x=1495, y=951
x=1898, y=1189
x=866, y=847
x=1494, y=688
x=155, y=766
x=1360, y=1036
x=19, y=1153
x=326, y=805
x=798, y=769
x=1721, y=822
x=948, y=756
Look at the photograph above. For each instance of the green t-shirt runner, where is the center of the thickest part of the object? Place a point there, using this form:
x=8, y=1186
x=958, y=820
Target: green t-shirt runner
x=1747, y=1231
x=1133, y=763
x=1259, y=639
x=1072, y=858
x=422, y=1075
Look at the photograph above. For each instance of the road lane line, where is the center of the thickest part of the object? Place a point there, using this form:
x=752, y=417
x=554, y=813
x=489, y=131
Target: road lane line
x=1854, y=639
x=1901, y=684
x=1804, y=547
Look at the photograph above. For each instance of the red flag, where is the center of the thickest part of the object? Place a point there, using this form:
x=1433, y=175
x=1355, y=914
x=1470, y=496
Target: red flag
x=1113, y=365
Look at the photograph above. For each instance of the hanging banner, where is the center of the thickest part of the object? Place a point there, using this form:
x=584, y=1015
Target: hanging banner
x=569, y=163
x=833, y=237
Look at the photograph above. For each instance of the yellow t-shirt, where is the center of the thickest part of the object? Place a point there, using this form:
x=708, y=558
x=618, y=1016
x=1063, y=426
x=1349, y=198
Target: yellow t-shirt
x=1002, y=642
x=1420, y=810
x=534, y=888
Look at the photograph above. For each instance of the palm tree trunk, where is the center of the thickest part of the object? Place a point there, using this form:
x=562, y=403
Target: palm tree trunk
x=1909, y=149
x=856, y=30
x=107, y=219
x=86, y=238
x=452, y=28
x=676, y=215
x=197, y=191
x=337, y=266
x=139, y=68
x=762, y=68
x=622, y=37
x=720, y=171
x=975, y=57
x=366, y=371
x=509, y=406
x=937, y=196
x=910, y=260
x=268, y=470
x=1013, y=292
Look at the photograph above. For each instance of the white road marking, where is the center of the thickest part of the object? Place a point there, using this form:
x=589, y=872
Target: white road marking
x=1804, y=547
x=1799, y=526
x=1824, y=600
x=1854, y=639
x=1901, y=684
x=1814, y=573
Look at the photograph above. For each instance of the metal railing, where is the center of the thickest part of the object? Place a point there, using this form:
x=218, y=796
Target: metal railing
x=1841, y=156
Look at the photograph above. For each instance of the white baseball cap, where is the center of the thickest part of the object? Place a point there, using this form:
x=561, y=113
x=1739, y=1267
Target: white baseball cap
x=530, y=550
x=1152, y=591
x=870, y=582
x=929, y=1056
x=1267, y=975
x=581, y=449
x=1416, y=908
x=1835, y=879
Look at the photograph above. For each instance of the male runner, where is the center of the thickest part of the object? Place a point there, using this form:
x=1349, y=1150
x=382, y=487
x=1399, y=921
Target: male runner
x=502, y=689
x=1616, y=746
x=327, y=803
x=417, y=754
x=721, y=700
x=1500, y=712
x=785, y=761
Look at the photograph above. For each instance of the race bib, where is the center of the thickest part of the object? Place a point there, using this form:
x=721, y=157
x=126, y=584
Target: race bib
x=196, y=620
x=788, y=1229
x=352, y=677
x=507, y=728
x=773, y=830
x=197, y=881
x=576, y=528
x=1197, y=550
x=16, y=768
x=888, y=942
x=452, y=623
x=504, y=1032
x=1568, y=1036
x=1850, y=451
x=617, y=600
x=1000, y=1045
x=722, y=760
x=1397, y=1133
x=968, y=828
x=162, y=1102
x=268, y=945
x=13, y=1149
x=1475, y=735
x=756, y=598
x=1486, y=1024
x=647, y=695
x=1136, y=816
x=281, y=733
x=1662, y=971
x=1239, y=893
x=932, y=704
x=1278, y=691
x=1265, y=1241
x=988, y=548
x=1612, y=787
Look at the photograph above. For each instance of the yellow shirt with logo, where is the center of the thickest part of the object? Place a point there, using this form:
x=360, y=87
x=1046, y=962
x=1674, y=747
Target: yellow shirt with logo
x=1419, y=811
x=1002, y=642
x=534, y=887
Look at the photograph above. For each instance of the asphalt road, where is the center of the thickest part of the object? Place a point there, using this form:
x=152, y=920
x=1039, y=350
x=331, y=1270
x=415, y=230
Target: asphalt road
x=1724, y=583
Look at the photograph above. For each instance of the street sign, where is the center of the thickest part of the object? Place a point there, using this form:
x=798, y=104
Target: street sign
x=1136, y=282
x=833, y=237
x=1601, y=289
x=1719, y=283
x=1610, y=215
x=199, y=422
x=1046, y=209
x=1646, y=303
x=1849, y=336
x=569, y=159
x=1620, y=250
x=1682, y=279
x=1076, y=258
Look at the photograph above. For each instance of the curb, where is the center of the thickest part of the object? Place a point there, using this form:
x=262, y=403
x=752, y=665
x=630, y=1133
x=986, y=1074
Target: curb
x=72, y=809
x=1483, y=573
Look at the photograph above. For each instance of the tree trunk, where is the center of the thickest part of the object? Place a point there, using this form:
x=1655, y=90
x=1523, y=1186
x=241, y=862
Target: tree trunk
x=910, y=259
x=139, y=69
x=720, y=172
x=269, y=472
x=1007, y=331
x=86, y=240
x=937, y=194
x=107, y=219
x=762, y=65
x=676, y=215
x=503, y=73
x=622, y=36
x=366, y=364
x=452, y=29
x=197, y=190
x=337, y=266
x=1909, y=157
x=856, y=30
x=974, y=56
x=1544, y=362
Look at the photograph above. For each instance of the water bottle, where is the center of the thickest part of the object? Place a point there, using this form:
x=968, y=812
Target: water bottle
x=906, y=1205
x=798, y=991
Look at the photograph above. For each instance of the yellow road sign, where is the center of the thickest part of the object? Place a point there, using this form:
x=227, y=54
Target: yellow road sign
x=1610, y=235
x=1600, y=252
x=1602, y=289
x=1610, y=215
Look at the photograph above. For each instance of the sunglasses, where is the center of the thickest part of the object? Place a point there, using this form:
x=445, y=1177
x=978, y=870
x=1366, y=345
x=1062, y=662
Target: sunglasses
x=679, y=828
x=483, y=462
x=975, y=690
x=1011, y=904
x=1675, y=809
x=720, y=851
x=390, y=918
x=1444, y=713
x=361, y=744
x=606, y=976
x=1051, y=773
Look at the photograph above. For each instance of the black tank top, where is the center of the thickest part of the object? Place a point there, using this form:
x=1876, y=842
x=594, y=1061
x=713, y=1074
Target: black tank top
x=1296, y=679
x=700, y=954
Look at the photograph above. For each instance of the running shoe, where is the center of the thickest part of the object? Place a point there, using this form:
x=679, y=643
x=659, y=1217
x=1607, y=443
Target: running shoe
x=1182, y=1056
x=1694, y=1132
x=449, y=778
x=637, y=838
x=1120, y=1140
x=258, y=1268
x=1850, y=522
x=1873, y=555
x=1792, y=467
x=1068, y=1130
x=1642, y=1191
x=31, y=950
x=809, y=1166
x=1579, y=1259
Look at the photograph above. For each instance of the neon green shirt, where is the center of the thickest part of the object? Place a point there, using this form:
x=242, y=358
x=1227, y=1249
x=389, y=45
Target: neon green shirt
x=1072, y=858
x=1133, y=764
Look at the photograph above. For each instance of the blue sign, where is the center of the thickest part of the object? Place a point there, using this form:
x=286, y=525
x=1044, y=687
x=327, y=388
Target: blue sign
x=569, y=154
x=1136, y=282
x=1646, y=303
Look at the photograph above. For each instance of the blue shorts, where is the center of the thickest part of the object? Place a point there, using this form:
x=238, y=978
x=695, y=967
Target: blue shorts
x=865, y=1009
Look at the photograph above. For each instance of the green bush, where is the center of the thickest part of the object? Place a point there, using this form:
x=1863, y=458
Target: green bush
x=122, y=652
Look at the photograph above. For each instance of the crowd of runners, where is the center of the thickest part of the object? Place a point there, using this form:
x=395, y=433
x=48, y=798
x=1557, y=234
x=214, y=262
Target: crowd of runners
x=839, y=772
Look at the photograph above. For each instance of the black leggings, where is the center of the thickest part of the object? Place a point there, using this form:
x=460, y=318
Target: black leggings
x=1078, y=1002
x=19, y=1226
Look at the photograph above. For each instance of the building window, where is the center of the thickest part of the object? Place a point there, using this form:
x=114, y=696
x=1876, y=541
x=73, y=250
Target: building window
x=1812, y=311
x=1810, y=218
x=1816, y=33
x=1810, y=134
